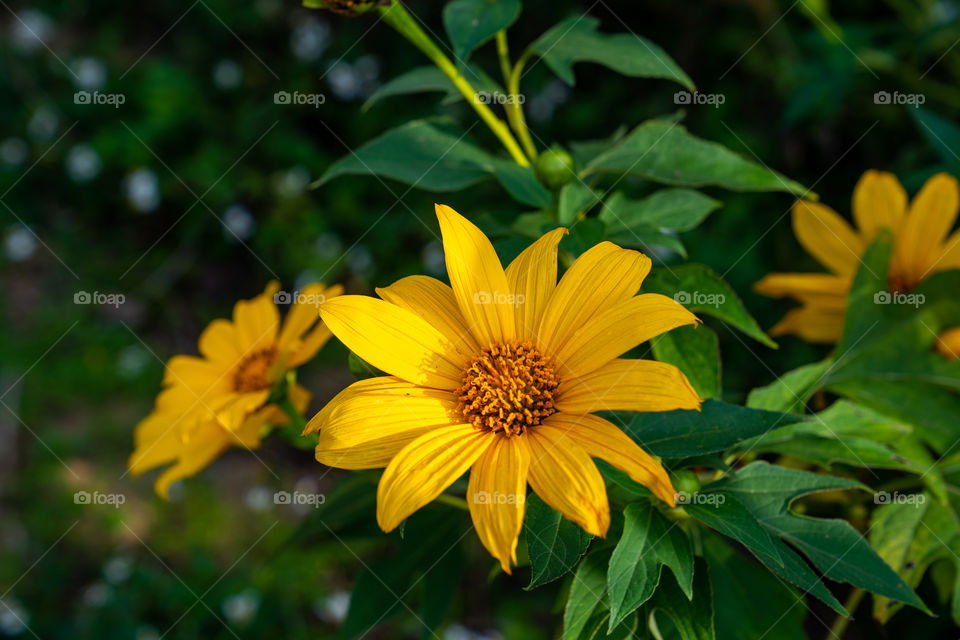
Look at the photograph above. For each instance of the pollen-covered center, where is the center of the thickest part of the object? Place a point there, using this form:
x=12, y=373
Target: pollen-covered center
x=508, y=388
x=253, y=372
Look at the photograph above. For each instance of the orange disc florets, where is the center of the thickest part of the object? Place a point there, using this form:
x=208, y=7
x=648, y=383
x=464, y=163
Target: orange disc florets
x=252, y=374
x=507, y=388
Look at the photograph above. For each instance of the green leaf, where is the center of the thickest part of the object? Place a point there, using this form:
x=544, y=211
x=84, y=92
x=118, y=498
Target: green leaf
x=723, y=512
x=677, y=209
x=427, y=79
x=522, y=184
x=870, y=279
x=430, y=154
x=586, y=594
x=649, y=541
x=576, y=39
x=716, y=427
x=440, y=585
x=790, y=392
x=470, y=23
x=834, y=547
x=739, y=586
x=554, y=543
x=664, y=152
x=693, y=619
x=941, y=134
x=699, y=288
x=575, y=197
x=696, y=352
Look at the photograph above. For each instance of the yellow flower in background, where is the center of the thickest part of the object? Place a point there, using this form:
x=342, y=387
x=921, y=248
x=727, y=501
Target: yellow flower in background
x=920, y=248
x=221, y=398
x=500, y=374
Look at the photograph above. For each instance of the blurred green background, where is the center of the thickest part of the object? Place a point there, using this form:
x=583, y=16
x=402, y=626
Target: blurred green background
x=194, y=193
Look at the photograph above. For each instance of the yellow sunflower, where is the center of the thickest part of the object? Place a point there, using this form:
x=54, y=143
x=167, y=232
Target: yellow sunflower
x=921, y=248
x=221, y=398
x=500, y=374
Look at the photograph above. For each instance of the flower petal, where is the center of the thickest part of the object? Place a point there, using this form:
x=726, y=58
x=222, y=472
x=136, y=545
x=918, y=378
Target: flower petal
x=617, y=330
x=628, y=385
x=256, y=322
x=948, y=343
x=533, y=277
x=805, y=286
x=156, y=441
x=304, y=314
x=477, y=278
x=601, y=278
x=827, y=237
x=932, y=214
x=424, y=468
x=218, y=342
x=563, y=474
x=206, y=444
x=879, y=202
x=950, y=256
x=433, y=301
x=497, y=496
x=370, y=421
x=812, y=323
x=394, y=340
x=601, y=439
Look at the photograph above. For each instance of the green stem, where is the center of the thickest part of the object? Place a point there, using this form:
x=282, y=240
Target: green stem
x=840, y=624
x=398, y=18
x=514, y=109
x=453, y=501
x=297, y=421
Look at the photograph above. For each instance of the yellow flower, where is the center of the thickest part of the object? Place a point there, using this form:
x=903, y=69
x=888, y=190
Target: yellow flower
x=500, y=373
x=921, y=248
x=220, y=399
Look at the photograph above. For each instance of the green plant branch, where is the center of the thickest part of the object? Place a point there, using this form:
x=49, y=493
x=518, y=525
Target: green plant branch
x=514, y=109
x=840, y=624
x=453, y=501
x=398, y=18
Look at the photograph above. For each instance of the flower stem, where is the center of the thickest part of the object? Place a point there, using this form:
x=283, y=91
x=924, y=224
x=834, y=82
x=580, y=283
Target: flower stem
x=513, y=106
x=840, y=624
x=398, y=18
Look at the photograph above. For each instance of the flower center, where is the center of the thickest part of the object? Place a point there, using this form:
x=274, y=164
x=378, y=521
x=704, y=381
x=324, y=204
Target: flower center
x=252, y=374
x=507, y=387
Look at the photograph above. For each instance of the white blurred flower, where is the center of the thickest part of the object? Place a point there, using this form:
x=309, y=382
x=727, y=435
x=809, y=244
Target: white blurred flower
x=354, y=81
x=117, y=569
x=333, y=609
x=13, y=152
x=83, y=163
x=43, y=124
x=310, y=39
x=433, y=258
x=142, y=189
x=292, y=182
x=96, y=595
x=30, y=30
x=240, y=608
x=328, y=246
x=360, y=261
x=14, y=619
x=19, y=243
x=91, y=73
x=227, y=75
x=238, y=222
x=258, y=498
x=132, y=360
x=543, y=104
x=147, y=632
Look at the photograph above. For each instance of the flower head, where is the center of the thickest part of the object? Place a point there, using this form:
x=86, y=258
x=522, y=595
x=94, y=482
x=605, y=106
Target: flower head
x=500, y=374
x=921, y=248
x=226, y=396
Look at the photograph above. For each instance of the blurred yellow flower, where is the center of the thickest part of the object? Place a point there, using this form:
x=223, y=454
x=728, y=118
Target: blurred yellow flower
x=221, y=398
x=500, y=374
x=921, y=248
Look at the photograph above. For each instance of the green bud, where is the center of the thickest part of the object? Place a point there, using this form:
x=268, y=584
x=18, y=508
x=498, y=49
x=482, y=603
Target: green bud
x=555, y=167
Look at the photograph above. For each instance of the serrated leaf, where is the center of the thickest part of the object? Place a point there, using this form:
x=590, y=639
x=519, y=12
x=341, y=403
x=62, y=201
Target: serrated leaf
x=522, y=184
x=586, y=594
x=470, y=23
x=790, y=392
x=429, y=79
x=554, y=544
x=696, y=352
x=576, y=39
x=664, y=152
x=700, y=289
x=693, y=619
x=716, y=427
x=648, y=543
x=575, y=197
x=727, y=515
x=674, y=208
